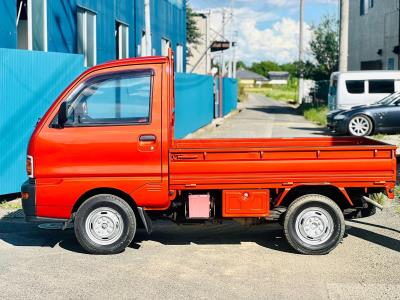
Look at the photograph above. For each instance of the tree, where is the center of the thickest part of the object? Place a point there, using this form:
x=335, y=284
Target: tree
x=192, y=31
x=264, y=67
x=325, y=47
x=240, y=65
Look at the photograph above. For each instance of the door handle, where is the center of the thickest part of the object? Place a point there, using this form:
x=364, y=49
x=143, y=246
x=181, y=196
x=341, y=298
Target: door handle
x=147, y=138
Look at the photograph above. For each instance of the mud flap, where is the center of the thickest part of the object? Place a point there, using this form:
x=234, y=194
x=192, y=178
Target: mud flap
x=145, y=219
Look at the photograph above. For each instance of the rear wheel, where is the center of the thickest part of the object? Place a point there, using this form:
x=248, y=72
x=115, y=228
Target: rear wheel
x=360, y=126
x=105, y=224
x=314, y=224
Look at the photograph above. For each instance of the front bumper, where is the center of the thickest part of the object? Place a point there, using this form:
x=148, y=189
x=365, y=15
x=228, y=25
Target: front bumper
x=339, y=127
x=29, y=204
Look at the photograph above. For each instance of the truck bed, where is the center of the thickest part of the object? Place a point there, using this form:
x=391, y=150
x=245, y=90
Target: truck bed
x=281, y=162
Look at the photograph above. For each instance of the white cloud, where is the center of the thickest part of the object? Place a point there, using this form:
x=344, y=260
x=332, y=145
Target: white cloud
x=279, y=42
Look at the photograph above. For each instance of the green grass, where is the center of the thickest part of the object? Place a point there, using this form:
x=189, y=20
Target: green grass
x=315, y=114
x=287, y=93
x=379, y=136
x=11, y=205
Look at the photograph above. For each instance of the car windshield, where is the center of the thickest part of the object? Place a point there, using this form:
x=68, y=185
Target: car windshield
x=389, y=99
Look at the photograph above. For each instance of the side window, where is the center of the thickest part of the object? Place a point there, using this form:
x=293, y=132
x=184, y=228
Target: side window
x=355, y=86
x=381, y=86
x=116, y=99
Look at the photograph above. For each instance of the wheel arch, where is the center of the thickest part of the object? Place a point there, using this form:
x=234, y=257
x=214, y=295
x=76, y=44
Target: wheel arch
x=337, y=194
x=104, y=190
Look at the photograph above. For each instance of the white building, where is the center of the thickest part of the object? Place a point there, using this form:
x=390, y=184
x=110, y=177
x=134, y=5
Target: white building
x=200, y=55
x=374, y=35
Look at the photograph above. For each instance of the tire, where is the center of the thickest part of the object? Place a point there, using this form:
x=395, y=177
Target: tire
x=105, y=224
x=360, y=125
x=304, y=214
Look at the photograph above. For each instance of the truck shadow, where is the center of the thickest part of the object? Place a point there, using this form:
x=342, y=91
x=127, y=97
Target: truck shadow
x=22, y=234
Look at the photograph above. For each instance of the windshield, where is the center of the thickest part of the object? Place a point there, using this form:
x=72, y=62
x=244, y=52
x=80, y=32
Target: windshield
x=389, y=99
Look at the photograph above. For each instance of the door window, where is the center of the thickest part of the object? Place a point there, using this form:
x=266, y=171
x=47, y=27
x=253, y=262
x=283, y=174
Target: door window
x=112, y=100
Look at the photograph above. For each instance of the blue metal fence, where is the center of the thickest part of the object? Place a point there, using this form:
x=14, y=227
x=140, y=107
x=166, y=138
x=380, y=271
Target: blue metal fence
x=229, y=95
x=29, y=82
x=194, y=102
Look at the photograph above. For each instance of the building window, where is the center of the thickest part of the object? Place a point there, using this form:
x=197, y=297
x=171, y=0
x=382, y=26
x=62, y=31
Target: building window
x=143, y=48
x=179, y=58
x=111, y=100
x=390, y=65
x=165, y=45
x=363, y=7
x=121, y=40
x=355, y=86
x=32, y=24
x=370, y=3
x=87, y=36
x=381, y=86
x=22, y=24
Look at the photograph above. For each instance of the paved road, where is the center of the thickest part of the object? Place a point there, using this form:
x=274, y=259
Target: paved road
x=225, y=261
x=263, y=117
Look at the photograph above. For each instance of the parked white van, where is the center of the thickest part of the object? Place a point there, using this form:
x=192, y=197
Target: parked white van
x=348, y=89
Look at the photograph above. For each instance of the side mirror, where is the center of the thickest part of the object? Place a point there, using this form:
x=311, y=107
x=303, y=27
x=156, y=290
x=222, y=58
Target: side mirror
x=62, y=115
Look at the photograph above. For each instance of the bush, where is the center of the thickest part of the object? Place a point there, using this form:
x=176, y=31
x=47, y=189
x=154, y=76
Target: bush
x=314, y=114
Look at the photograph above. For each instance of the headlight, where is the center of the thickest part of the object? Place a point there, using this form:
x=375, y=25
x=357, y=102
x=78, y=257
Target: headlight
x=29, y=166
x=339, y=117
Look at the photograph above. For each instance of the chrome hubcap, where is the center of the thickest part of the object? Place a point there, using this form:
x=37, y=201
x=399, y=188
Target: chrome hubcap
x=314, y=226
x=359, y=126
x=104, y=226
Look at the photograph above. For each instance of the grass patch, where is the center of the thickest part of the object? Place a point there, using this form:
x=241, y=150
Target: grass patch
x=397, y=198
x=11, y=205
x=242, y=93
x=315, y=114
x=379, y=137
x=287, y=93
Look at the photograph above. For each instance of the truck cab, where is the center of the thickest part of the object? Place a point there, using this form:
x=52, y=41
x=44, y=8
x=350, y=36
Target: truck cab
x=104, y=158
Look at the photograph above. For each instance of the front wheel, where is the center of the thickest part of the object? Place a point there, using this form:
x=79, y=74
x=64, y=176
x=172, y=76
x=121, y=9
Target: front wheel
x=105, y=224
x=314, y=224
x=360, y=126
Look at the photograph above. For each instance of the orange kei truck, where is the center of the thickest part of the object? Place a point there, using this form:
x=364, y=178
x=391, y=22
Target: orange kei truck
x=104, y=158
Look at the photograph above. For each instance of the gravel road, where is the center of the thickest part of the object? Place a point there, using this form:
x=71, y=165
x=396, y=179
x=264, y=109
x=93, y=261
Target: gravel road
x=203, y=261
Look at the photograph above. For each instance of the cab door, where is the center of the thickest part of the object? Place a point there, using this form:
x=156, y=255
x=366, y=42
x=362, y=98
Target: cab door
x=112, y=139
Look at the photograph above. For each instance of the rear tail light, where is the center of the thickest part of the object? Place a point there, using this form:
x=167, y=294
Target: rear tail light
x=29, y=166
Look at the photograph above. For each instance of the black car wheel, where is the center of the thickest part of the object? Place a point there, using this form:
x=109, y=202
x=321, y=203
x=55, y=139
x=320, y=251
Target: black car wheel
x=360, y=125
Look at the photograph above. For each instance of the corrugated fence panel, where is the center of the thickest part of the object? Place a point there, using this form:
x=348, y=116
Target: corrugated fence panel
x=194, y=102
x=229, y=95
x=29, y=82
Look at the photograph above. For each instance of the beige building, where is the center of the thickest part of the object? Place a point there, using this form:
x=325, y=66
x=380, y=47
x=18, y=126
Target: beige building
x=373, y=35
x=201, y=57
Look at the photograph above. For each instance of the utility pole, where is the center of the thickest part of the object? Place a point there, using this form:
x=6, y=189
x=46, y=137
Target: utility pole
x=234, y=55
x=147, y=27
x=344, y=35
x=230, y=66
x=222, y=71
x=301, y=52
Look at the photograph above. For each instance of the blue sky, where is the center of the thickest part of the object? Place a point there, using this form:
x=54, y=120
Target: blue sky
x=268, y=29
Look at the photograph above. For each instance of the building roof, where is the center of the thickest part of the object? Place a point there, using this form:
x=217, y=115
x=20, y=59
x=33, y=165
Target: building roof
x=278, y=73
x=275, y=75
x=246, y=74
